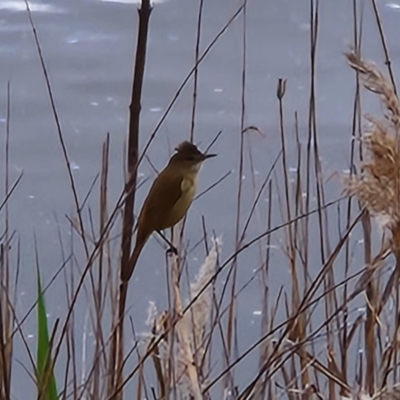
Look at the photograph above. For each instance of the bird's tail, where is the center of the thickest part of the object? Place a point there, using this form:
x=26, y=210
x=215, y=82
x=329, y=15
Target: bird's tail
x=125, y=275
x=127, y=269
x=118, y=340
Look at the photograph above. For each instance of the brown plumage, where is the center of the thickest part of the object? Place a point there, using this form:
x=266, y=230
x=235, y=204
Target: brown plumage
x=169, y=198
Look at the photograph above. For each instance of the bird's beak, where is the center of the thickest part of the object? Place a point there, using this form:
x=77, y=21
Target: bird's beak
x=208, y=156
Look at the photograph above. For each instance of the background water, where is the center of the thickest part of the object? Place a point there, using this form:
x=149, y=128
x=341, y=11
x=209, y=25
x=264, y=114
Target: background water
x=88, y=47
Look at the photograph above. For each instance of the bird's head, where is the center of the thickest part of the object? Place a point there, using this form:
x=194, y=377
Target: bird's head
x=189, y=156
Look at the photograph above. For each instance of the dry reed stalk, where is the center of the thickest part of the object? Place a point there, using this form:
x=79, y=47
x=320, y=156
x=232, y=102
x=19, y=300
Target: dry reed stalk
x=330, y=300
x=196, y=71
x=371, y=292
x=59, y=129
x=388, y=63
x=103, y=283
x=144, y=13
x=261, y=386
x=161, y=365
x=297, y=329
x=230, y=330
x=117, y=347
x=6, y=318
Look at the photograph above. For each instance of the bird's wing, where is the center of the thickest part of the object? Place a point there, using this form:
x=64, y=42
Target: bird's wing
x=168, y=189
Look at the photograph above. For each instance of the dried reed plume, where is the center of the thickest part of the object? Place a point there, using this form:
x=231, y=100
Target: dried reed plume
x=189, y=338
x=377, y=184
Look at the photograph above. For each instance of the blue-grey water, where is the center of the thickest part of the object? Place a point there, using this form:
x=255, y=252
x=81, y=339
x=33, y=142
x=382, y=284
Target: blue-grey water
x=88, y=47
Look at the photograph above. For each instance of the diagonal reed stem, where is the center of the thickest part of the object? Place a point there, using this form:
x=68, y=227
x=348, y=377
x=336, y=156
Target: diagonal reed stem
x=132, y=160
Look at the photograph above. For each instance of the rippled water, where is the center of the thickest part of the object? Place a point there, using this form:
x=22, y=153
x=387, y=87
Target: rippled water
x=88, y=48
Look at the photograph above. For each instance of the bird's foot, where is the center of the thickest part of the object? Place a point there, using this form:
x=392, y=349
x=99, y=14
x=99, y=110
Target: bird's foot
x=172, y=250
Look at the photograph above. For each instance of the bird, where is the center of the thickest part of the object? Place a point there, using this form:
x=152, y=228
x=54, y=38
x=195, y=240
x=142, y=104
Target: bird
x=169, y=198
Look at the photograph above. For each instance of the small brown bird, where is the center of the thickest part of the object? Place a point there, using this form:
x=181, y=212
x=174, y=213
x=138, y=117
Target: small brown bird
x=169, y=198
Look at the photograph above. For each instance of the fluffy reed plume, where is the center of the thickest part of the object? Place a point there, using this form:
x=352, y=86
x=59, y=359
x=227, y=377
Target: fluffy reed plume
x=199, y=314
x=376, y=82
x=191, y=329
x=377, y=184
x=188, y=339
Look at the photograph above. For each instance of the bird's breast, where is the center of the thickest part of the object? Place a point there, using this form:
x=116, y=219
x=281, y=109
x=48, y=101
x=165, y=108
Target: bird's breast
x=188, y=185
x=188, y=188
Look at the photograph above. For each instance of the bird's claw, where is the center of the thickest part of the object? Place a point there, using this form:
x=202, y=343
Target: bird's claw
x=172, y=250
